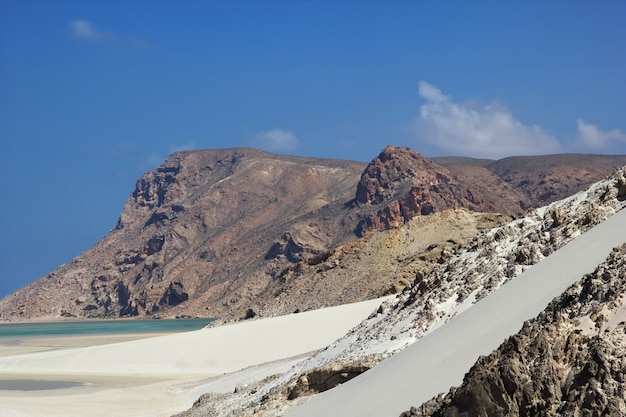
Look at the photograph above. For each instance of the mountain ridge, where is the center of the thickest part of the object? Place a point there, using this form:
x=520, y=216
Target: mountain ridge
x=480, y=266
x=209, y=231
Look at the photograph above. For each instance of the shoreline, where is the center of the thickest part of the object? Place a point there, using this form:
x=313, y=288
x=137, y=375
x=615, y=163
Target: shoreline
x=19, y=345
x=165, y=374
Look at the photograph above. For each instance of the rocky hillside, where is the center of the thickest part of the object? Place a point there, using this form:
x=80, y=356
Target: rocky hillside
x=197, y=237
x=569, y=361
x=236, y=233
x=400, y=184
x=541, y=179
x=463, y=275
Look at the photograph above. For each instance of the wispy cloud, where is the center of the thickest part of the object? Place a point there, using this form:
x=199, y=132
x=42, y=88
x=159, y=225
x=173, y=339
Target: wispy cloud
x=84, y=29
x=276, y=140
x=592, y=137
x=184, y=147
x=87, y=31
x=481, y=131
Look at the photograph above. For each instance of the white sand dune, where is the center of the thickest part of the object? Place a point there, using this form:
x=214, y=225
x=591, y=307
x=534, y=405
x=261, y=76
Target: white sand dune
x=440, y=359
x=149, y=376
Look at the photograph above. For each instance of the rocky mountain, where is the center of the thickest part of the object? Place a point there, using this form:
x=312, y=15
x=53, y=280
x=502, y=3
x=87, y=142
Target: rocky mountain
x=568, y=361
x=236, y=233
x=400, y=184
x=541, y=179
x=200, y=235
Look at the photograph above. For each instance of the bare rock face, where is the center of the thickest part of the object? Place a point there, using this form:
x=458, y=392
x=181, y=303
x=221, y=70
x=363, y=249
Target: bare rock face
x=569, y=361
x=198, y=237
x=401, y=184
x=392, y=170
x=219, y=232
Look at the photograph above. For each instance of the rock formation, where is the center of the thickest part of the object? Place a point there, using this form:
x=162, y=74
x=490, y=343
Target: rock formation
x=400, y=184
x=569, y=361
x=196, y=237
x=443, y=280
x=218, y=233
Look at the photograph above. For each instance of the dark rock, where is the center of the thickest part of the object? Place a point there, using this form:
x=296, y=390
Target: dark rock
x=174, y=295
x=325, y=378
x=250, y=313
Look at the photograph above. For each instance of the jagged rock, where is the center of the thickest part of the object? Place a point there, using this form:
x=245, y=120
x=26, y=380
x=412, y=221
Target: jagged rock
x=250, y=314
x=553, y=366
x=324, y=378
x=400, y=184
x=621, y=187
x=558, y=216
x=291, y=249
x=391, y=169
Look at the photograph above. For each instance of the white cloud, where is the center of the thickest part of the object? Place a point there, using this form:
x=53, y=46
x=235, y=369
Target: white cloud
x=480, y=131
x=276, y=140
x=84, y=29
x=590, y=136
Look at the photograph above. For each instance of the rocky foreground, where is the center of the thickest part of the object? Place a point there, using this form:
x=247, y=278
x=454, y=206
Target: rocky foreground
x=569, y=361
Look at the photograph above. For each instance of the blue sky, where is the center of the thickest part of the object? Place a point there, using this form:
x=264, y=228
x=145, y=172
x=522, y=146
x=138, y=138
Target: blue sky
x=95, y=93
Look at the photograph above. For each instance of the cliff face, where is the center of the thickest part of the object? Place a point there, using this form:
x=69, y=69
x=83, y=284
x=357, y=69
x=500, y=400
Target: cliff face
x=569, y=361
x=193, y=237
x=216, y=233
x=401, y=184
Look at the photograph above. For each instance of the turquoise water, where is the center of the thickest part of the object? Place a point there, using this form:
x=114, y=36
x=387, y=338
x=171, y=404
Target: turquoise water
x=100, y=327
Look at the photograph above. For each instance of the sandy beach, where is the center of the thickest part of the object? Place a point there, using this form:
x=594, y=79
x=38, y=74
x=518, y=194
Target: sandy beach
x=159, y=375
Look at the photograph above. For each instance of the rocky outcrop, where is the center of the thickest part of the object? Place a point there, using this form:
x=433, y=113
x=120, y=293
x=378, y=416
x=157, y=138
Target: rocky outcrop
x=292, y=249
x=400, y=184
x=395, y=169
x=569, y=361
x=174, y=295
x=324, y=378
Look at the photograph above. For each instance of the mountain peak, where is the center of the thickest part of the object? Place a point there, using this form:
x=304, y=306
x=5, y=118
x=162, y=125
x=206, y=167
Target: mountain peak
x=390, y=170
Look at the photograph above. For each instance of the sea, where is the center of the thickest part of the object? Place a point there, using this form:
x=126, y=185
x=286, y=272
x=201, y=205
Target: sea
x=100, y=327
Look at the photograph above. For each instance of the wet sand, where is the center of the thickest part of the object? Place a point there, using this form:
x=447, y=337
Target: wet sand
x=22, y=345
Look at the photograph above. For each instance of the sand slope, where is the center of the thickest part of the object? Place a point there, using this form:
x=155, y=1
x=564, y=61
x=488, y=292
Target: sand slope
x=440, y=359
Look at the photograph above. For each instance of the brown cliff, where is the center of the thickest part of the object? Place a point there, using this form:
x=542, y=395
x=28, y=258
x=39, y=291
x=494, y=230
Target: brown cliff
x=400, y=184
x=193, y=237
x=218, y=232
